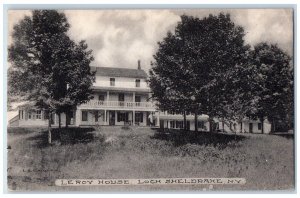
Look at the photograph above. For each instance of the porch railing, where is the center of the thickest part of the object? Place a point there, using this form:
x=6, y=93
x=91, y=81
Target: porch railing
x=119, y=104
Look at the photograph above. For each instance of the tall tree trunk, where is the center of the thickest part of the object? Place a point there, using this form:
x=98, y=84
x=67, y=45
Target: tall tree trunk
x=67, y=119
x=184, y=121
x=196, y=120
x=210, y=124
x=242, y=126
x=273, y=126
x=262, y=124
x=49, y=129
x=59, y=120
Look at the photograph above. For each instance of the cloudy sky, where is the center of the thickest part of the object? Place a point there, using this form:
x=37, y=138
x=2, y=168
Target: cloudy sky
x=119, y=38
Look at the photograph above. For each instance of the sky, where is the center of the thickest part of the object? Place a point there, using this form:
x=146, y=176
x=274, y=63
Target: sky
x=119, y=38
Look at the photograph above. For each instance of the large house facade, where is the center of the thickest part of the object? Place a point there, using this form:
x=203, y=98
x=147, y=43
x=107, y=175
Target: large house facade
x=121, y=96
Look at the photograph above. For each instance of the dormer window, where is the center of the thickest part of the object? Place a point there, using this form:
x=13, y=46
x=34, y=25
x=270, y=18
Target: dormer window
x=112, y=81
x=137, y=83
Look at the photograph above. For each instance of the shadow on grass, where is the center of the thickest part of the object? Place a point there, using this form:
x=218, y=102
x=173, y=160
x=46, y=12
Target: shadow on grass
x=287, y=135
x=179, y=137
x=64, y=136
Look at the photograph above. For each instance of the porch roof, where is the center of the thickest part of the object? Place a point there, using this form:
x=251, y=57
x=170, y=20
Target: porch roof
x=122, y=89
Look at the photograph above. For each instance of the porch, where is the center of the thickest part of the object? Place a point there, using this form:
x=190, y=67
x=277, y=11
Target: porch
x=92, y=117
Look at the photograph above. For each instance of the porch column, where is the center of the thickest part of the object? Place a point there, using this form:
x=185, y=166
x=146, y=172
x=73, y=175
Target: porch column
x=116, y=118
x=77, y=117
x=56, y=119
x=107, y=95
x=157, y=119
x=133, y=118
x=105, y=123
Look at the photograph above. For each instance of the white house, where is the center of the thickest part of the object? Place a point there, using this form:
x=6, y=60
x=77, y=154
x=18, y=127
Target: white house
x=122, y=96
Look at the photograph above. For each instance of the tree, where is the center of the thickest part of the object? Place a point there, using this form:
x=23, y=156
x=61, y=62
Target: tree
x=196, y=62
x=168, y=77
x=47, y=67
x=75, y=80
x=272, y=84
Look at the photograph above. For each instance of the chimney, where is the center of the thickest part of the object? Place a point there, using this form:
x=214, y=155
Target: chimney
x=139, y=64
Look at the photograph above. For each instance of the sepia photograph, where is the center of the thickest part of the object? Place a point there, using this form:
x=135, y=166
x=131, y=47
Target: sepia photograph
x=150, y=100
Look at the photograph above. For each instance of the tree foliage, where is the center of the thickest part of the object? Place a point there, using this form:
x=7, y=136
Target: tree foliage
x=272, y=83
x=206, y=67
x=193, y=66
x=47, y=67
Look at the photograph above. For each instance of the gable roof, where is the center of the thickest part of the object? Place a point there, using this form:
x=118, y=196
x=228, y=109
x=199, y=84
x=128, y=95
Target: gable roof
x=120, y=72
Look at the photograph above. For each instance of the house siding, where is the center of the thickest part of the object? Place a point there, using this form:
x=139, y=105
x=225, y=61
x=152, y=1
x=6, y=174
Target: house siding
x=104, y=81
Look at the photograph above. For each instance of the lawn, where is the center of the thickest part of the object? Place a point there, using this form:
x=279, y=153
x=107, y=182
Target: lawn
x=266, y=161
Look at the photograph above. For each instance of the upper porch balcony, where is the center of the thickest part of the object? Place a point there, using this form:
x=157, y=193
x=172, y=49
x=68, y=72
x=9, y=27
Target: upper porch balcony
x=118, y=105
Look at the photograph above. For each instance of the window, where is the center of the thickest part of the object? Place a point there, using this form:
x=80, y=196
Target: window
x=30, y=115
x=139, y=117
x=53, y=118
x=84, y=116
x=137, y=98
x=122, y=117
x=121, y=99
x=201, y=124
x=112, y=81
x=21, y=114
x=101, y=97
x=216, y=125
x=96, y=116
x=38, y=114
x=46, y=115
x=179, y=124
x=137, y=83
x=172, y=124
x=259, y=126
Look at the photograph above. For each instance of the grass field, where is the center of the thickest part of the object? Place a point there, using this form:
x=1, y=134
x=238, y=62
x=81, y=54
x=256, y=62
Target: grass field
x=266, y=161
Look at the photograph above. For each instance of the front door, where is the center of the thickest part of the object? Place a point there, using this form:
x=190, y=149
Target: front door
x=112, y=118
x=251, y=127
x=121, y=99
